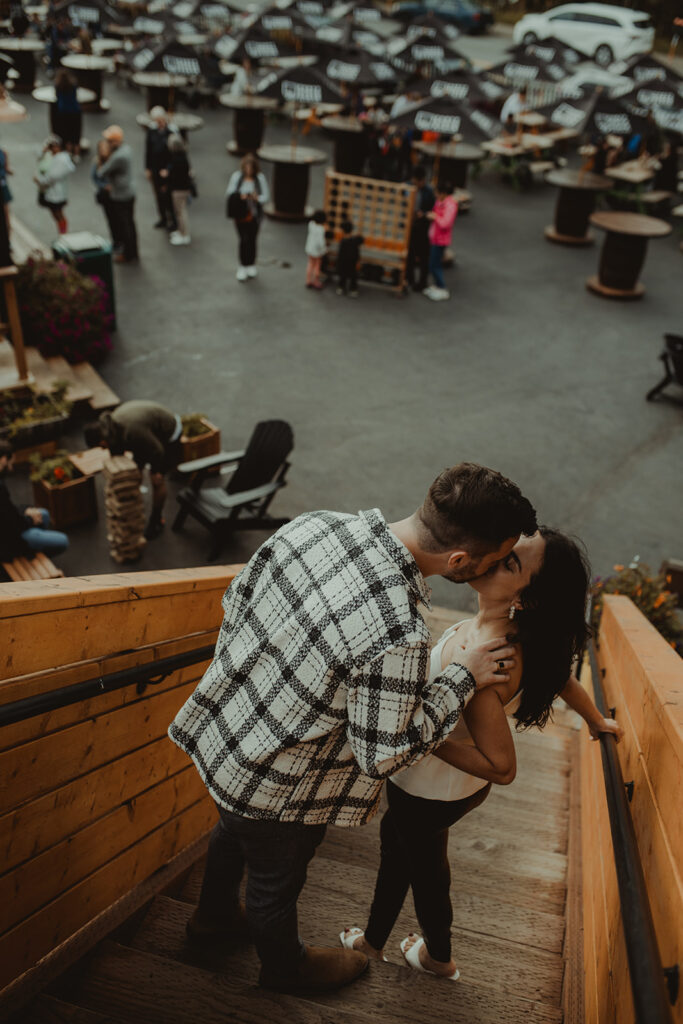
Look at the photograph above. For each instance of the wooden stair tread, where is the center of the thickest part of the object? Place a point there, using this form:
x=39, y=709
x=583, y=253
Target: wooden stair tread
x=49, y=1010
x=103, y=397
x=145, y=988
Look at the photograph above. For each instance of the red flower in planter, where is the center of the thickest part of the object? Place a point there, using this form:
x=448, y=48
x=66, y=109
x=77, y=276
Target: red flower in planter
x=59, y=474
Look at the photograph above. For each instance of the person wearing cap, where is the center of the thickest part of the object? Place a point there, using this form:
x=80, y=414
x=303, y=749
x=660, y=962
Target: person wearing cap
x=54, y=167
x=156, y=159
x=152, y=433
x=116, y=171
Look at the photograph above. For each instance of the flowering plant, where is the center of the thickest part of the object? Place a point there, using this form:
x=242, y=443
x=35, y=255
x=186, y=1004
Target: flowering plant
x=195, y=425
x=22, y=410
x=62, y=311
x=54, y=470
x=648, y=592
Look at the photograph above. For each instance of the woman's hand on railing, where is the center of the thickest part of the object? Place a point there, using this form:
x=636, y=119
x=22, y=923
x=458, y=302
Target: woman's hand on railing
x=606, y=725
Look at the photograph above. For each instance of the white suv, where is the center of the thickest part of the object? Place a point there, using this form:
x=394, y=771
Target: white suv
x=601, y=31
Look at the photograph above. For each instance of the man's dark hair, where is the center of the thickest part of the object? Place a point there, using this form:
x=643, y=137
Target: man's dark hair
x=93, y=434
x=475, y=507
x=419, y=172
x=347, y=227
x=6, y=448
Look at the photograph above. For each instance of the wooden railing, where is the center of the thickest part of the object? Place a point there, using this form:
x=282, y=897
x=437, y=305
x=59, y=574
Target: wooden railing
x=643, y=681
x=95, y=797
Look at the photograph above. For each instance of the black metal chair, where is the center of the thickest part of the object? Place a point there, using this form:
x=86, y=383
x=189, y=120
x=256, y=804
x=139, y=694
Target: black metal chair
x=259, y=471
x=672, y=357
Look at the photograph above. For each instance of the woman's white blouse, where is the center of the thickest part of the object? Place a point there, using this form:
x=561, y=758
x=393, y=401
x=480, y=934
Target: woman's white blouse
x=431, y=778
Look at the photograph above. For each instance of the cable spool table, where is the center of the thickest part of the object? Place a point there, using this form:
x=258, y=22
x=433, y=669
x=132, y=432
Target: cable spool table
x=249, y=121
x=291, y=174
x=454, y=159
x=350, y=143
x=89, y=68
x=23, y=53
x=575, y=203
x=623, y=252
x=161, y=87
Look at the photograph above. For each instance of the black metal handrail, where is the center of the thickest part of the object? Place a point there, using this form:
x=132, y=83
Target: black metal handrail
x=653, y=988
x=140, y=675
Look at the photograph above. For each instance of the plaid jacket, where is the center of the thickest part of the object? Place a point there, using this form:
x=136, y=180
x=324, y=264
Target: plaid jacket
x=319, y=689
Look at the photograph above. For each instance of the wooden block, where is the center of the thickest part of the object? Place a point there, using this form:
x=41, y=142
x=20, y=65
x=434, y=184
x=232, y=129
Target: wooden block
x=50, y=1010
x=102, y=396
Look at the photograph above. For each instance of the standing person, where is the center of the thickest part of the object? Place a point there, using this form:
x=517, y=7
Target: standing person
x=348, y=257
x=117, y=172
x=67, y=118
x=24, y=530
x=244, y=82
x=316, y=247
x=5, y=194
x=319, y=690
x=102, y=196
x=247, y=193
x=156, y=160
x=152, y=433
x=442, y=219
x=515, y=104
x=537, y=595
x=418, y=246
x=54, y=168
x=179, y=183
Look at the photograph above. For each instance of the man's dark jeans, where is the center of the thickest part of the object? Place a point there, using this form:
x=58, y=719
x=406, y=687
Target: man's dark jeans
x=276, y=855
x=123, y=211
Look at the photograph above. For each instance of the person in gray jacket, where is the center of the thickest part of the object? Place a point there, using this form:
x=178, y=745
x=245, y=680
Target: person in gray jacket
x=117, y=173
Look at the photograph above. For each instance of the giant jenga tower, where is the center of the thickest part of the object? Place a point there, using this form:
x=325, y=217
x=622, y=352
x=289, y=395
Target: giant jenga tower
x=124, y=508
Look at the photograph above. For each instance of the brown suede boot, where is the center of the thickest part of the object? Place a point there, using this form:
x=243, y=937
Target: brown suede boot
x=232, y=929
x=320, y=970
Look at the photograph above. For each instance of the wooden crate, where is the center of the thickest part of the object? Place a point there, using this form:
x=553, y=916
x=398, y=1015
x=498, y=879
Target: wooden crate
x=70, y=503
x=380, y=211
x=202, y=446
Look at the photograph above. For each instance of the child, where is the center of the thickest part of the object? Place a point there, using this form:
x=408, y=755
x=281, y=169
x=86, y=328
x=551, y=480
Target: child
x=442, y=217
x=316, y=247
x=347, y=260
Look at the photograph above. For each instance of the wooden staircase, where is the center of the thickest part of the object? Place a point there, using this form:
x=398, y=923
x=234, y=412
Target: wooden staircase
x=509, y=866
x=86, y=388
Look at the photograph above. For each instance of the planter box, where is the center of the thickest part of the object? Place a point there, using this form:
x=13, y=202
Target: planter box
x=200, y=447
x=69, y=503
x=40, y=432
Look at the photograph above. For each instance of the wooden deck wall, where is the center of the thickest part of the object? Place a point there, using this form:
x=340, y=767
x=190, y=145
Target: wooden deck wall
x=95, y=797
x=643, y=680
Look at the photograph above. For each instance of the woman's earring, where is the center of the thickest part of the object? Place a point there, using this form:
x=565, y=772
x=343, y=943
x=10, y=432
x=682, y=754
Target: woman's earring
x=511, y=613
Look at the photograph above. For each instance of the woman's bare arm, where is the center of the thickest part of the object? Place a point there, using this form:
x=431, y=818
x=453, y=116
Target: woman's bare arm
x=493, y=756
x=578, y=699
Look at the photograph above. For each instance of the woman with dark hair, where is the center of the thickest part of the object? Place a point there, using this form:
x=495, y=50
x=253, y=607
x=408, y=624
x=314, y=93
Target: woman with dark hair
x=537, y=596
x=247, y=193
x=67, y=119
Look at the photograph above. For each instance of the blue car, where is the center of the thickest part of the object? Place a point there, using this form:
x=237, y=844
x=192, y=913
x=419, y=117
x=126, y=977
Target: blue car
x=463, y=14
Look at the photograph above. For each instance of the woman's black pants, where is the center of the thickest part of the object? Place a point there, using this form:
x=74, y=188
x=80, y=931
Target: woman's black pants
x=414, y=854
x=247, y=230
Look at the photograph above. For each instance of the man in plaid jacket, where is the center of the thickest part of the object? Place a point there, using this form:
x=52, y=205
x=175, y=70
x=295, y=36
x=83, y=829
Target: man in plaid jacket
x=319, y=690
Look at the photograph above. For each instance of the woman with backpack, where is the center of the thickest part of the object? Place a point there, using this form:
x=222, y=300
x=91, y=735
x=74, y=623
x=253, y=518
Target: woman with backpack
x=246, y=195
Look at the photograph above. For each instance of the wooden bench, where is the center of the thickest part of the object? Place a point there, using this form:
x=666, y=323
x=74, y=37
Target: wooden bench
x=24, y=243
x=37, y=568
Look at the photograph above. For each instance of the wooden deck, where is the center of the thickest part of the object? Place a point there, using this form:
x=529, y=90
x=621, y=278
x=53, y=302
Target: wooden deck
x=509, y=865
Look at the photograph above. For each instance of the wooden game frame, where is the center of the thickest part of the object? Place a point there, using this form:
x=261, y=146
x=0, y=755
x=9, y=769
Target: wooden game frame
x=380, y=211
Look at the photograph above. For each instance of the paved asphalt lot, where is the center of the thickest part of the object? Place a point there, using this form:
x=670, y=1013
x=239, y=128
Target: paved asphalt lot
x=523, y=369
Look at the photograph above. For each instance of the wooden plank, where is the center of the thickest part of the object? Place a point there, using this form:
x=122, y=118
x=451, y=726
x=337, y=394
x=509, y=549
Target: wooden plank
x=47, y=371
x=45, y=764
x=49, y=1010
x=149, y=989
x=42, y=823
x=572, y=953
x=36, y=882
x=24, y=945
x=588, y=881
x=103, y=397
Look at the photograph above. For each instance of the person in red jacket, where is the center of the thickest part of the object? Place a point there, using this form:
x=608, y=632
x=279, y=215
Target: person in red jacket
x=440, y=233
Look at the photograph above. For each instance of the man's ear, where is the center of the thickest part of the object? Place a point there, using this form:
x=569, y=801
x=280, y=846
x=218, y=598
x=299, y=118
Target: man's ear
x=457, y=559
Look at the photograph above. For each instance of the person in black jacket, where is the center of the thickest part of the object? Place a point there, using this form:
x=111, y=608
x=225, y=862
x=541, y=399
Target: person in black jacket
x=418, y=247
x=347, y=260
x=156, y=160
x=179, y=183
x=23, y=529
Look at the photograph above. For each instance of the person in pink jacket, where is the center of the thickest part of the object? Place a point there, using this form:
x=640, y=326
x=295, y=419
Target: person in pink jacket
x=440, y=233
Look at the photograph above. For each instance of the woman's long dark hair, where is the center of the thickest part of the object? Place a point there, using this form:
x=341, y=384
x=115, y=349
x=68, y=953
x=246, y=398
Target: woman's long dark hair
x=551, y=625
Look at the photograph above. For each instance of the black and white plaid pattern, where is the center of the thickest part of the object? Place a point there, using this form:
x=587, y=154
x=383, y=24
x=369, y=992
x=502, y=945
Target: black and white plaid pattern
x=319, y=685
